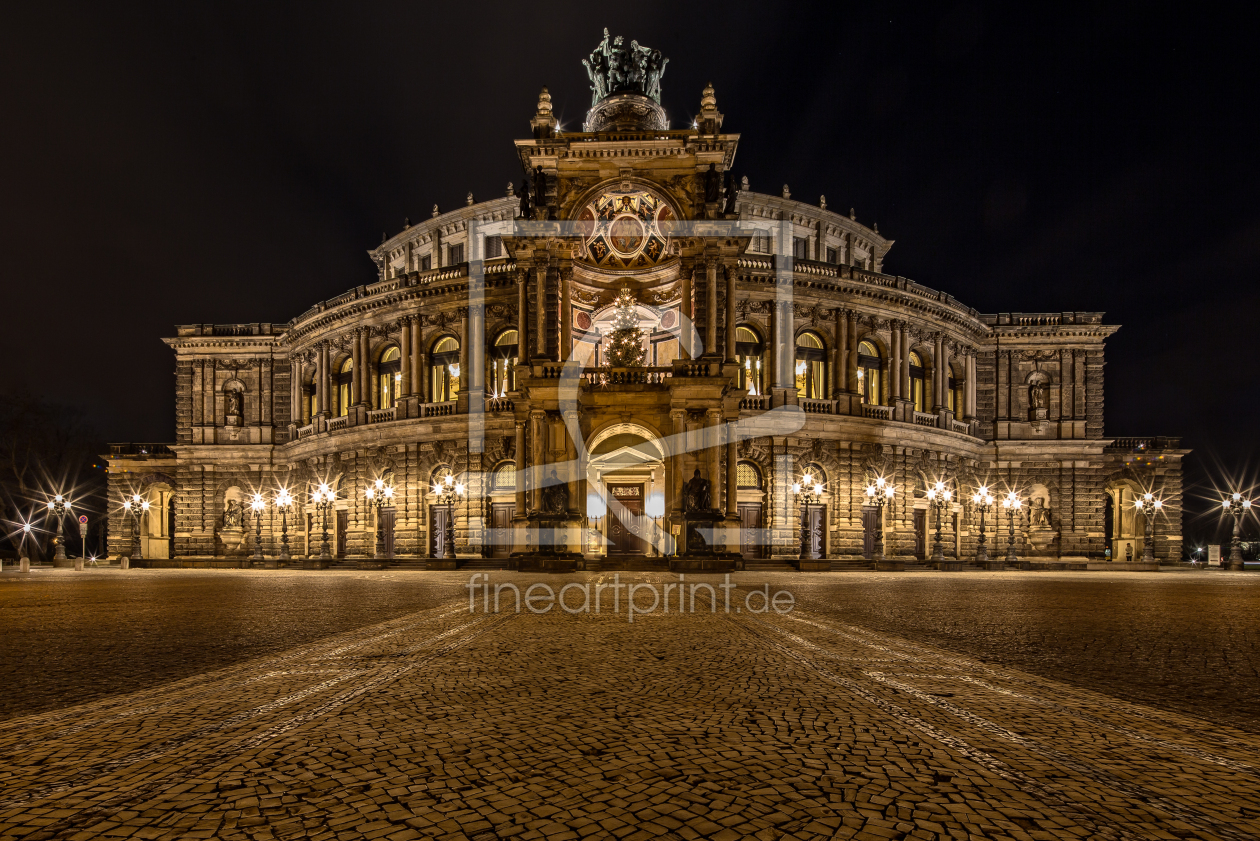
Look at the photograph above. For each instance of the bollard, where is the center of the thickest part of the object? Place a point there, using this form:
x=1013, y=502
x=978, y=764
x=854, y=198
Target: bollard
x=125, y=561
x=25, y=566
x=78, y=565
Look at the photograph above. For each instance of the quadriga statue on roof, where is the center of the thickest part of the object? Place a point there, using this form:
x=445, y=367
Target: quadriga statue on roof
x=615, y=68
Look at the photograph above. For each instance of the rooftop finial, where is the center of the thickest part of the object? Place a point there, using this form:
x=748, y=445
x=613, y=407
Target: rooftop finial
x=787, y=194
x=544, y=102
x=822, y=202
x=435, y=211
x=469, y=200
x=709, y=120
x=544, y=122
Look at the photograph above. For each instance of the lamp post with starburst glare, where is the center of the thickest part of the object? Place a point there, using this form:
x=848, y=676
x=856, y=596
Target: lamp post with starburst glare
x=1237, y=506
x=1012, y=503
x=1149, y=505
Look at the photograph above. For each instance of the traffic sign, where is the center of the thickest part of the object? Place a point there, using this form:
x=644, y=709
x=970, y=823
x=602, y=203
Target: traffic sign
x=83, y=519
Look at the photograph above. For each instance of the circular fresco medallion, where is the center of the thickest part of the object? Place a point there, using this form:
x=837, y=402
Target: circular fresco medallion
x=668, y=319
x=626, y=229
x=583, y=320
x=626, y=235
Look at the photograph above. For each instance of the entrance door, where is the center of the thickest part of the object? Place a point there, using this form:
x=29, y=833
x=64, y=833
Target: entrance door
x=437, y=530
x=750, y=531
x=812, y=531
x=920, y=533
x=343, y=526
x=387, y=524
x=501, y=514
x=869, y=523
x=624, y=537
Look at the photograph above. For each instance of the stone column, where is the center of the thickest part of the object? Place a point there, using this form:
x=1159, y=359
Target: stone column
x=420, y=374
x=1065, y=384
x=522, y=316
x=938, y=391
x=685, y=313
x=945, y=371
x=265, y=392
x=538, y=453
x=356, y=365
x=295, y=391
x=566, y=314
x=577, y=498
x=730, y=313
x=321, y=380
x=905, y=362
x=522, y=464
x=404, y=389
x=971, y=384
x=365, y=387
x=713, y=452
x=540, y=322
x=839, y=354
x=711, y=315
x=464, y=378
x=851, y=363
x=784, y=346
x=894, y=377
x=732, y=471
x=677, y=447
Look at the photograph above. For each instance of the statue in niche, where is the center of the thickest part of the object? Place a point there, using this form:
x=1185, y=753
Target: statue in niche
x=712, y=185
x=233, y=401
x=697, y=494
x=232, y=514
x=555, y=496
x=729, y=209
x=1039, y=514
x=525, y=205
x=540, y=187
x=1039, y=395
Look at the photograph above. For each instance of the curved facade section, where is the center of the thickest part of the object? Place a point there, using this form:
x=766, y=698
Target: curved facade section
x=781, y=367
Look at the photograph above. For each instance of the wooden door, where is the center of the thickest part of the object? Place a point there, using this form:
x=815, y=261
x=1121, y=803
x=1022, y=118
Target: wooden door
x=501, y=514
x=750, y=531
x=387, y=524
x=870, y=521
x=437, y=530
x=343, y=526
x=920, y=533
x=624, y=535
x=812, y=531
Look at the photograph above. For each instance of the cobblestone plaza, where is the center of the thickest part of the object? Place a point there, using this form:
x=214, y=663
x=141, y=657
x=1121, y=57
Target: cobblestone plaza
x=287, y=704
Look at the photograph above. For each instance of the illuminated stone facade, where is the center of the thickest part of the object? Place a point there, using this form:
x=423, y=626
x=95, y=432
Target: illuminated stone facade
x=775, y=346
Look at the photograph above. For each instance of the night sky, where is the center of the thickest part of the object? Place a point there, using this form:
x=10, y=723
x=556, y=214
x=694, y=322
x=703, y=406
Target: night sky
x=233, y=162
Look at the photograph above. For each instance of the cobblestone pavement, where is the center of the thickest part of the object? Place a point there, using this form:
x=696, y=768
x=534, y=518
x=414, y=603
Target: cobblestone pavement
x=441, y=723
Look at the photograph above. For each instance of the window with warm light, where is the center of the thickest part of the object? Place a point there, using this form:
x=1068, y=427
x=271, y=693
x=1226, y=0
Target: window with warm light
x=811, y=379
x=918, y=383
x=344, y=376
x=750, y=352
x=444, y=370
x=868, y=373
x=389, y=378
x=504, y=357
x=747, y=475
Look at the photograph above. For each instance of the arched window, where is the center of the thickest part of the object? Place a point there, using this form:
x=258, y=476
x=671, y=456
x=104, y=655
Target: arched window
x=750, y=352
x=344, y=376
x=747, y=475
x=444, y=369
x=505, y=477
x=504, y=357
x=918, y=383
x=811, y=379
x=868, y=373
x=388, y=378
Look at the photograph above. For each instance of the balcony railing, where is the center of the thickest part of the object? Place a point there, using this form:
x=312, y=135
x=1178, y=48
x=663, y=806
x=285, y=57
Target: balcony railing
x=381, y=415
x=306, y=431
x=437, y=410
x=140, y=450
x=626, y=376
x=338, y=423
x=1158, y=442
x=869, y=410
x=818, y=407
x=925, y=418
x=755, y=403
x=500, y=404
x=961, y=426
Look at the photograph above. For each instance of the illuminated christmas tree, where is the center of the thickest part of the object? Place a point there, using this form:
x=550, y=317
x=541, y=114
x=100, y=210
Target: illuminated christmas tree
x=625, y=342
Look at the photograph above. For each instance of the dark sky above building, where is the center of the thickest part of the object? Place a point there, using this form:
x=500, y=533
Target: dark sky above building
x=232, y=162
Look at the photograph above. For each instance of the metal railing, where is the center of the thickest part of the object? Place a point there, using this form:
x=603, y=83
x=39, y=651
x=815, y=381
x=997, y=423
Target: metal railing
x=140, y=450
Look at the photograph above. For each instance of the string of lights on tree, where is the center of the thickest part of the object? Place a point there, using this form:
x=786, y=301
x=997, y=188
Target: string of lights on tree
x=625, y=341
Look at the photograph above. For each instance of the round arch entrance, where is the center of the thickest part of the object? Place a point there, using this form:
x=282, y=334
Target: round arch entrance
x=626, y=478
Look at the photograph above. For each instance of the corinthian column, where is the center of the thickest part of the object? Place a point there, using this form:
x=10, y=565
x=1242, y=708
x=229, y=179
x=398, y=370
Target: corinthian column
x=730, y=313
x=711, y=315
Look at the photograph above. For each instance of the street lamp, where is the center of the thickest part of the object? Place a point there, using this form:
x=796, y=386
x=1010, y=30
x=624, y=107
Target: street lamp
x=446, y=491
x=137, y=508
x=938, y=497
x=1149, y=506
x=879, y=493
x=1011, y=503
x=323, y=497
x=812, y=492
x=283, y=501
x=57, y=505
x=258, y=505
x=379, y=495
x=1236, y=505
x=983, y=500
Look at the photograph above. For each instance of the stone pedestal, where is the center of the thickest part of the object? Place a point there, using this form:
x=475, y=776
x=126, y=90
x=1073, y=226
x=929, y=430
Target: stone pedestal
x=550, y=550
x=25, y=565
x=78, y=565
x=698, y=549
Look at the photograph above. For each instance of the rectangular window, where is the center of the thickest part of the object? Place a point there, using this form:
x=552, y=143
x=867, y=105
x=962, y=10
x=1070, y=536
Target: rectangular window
x=761, y=244
x=833, y=256
x=426, y=262
x=800, y=248
x=454, y=254
x=494, y=247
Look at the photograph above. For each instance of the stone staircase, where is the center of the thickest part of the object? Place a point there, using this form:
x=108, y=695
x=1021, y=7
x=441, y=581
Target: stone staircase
x=768, y=566
x=851, y=565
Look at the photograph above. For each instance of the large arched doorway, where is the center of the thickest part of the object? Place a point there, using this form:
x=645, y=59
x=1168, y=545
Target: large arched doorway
x=626, y=477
